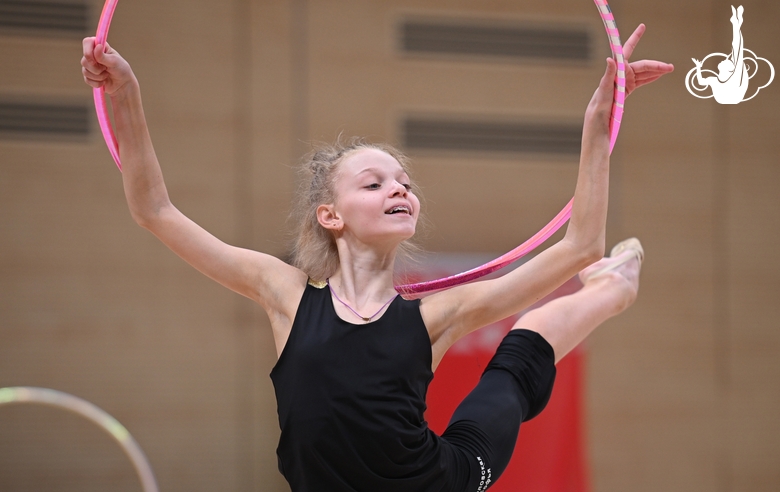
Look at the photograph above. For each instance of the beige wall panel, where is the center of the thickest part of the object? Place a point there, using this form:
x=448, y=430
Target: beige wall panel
x=41, y=66
x=276, y=145
x=361, y=83
x=118, y=319
x=56, y=450
x=674, y=458
x=653, y=394
x=461, y=213
x=755, y=283
x=755, y=444
x=754, y=274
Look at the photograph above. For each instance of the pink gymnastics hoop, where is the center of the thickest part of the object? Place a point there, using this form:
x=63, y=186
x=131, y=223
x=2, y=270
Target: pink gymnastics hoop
x=411, y=290
x=414, y=290
x=98, y=94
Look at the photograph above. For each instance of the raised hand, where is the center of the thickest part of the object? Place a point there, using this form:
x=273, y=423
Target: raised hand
x=641, y=72
x=102, y=66
x=599, y=110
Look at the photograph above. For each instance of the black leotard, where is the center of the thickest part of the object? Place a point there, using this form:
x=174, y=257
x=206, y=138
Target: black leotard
x=351, y=403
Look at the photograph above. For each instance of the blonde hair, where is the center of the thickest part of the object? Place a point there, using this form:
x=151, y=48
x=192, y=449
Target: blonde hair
x=314, y=247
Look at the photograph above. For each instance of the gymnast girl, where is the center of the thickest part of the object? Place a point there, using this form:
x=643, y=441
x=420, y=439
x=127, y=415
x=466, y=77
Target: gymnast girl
x=355, y=359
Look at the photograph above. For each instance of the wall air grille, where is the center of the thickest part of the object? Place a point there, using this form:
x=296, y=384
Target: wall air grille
x=439, y=37
x=55, y=18
x=479, y=136
x=43, y=120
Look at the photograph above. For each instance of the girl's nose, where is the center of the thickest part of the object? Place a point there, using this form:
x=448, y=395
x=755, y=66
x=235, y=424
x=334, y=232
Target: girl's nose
x=399, y=189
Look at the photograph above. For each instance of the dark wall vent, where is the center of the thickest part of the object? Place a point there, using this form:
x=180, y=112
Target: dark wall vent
x=35, y=119
x=479, y=136
x=67, y=19
x=432, y=37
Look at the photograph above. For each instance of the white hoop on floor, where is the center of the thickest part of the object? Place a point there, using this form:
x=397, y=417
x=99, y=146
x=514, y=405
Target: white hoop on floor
x=54, y=398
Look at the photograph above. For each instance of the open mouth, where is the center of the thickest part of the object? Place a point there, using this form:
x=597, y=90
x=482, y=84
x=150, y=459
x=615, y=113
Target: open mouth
x=401, y=209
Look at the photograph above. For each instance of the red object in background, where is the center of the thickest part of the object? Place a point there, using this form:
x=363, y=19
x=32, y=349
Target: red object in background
x=550, y=452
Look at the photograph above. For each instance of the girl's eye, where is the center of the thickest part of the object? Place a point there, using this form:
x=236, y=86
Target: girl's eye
x=373, y=186
x=408, y=187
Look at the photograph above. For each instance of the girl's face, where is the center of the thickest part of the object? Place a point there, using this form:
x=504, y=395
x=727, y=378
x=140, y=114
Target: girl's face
x=374, y=201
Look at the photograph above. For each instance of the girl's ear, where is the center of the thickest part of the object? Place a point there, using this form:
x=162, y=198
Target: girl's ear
x=328, y=218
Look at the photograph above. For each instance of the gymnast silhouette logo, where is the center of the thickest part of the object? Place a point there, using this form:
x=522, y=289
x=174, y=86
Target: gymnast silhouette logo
x=730, y=84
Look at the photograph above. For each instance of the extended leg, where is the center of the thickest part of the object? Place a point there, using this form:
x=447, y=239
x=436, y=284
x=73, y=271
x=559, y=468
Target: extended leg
x=517, y=382
x=568, y=320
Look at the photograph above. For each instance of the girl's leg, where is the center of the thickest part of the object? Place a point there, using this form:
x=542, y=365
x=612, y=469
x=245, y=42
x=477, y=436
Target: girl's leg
x=515, y=387
x=566, y=321
x=517, y=383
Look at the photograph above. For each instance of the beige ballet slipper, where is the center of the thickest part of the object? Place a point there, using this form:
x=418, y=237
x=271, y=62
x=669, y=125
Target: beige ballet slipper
x=631, y=244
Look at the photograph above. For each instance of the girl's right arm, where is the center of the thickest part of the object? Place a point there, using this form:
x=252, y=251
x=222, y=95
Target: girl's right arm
x=269, y=281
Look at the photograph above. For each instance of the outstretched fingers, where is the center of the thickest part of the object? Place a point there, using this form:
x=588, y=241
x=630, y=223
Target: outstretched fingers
x=633, y=40
x=642, y=67
x=646, y=71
